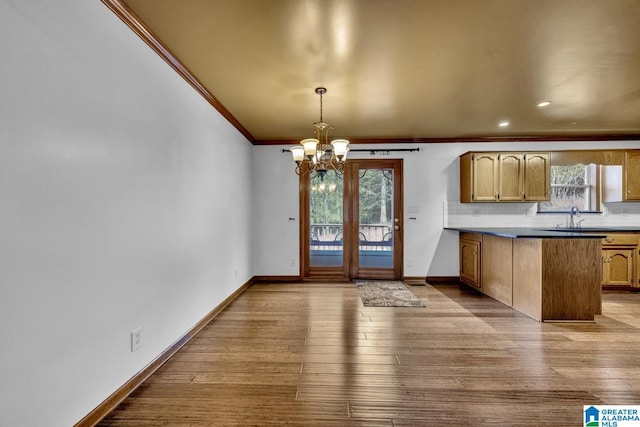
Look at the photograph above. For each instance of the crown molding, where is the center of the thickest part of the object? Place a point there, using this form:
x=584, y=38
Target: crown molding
x=479, y=139
x=122, y=11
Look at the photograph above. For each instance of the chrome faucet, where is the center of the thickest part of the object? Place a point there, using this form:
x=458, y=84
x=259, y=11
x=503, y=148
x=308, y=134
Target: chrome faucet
x=573, y=213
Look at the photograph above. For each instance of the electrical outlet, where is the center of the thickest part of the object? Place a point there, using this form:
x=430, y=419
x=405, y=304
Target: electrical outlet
x=136, y=339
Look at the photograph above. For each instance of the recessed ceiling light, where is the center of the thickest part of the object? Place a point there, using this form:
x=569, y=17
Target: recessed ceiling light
x=503, y=124
x=544, y=104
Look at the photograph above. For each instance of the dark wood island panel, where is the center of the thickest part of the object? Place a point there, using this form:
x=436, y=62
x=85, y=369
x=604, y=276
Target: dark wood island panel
x=497, y=268
x=548, y=276
x=557, y=279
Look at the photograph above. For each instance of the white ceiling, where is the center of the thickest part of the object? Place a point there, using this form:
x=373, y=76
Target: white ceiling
x=410, y=70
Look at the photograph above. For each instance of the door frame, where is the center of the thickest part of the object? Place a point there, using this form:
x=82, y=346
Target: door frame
x=350, y=268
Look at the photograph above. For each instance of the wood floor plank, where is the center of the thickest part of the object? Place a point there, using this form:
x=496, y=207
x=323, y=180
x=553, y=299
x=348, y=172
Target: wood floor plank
x=469, y=414
x=381, y=380
x=313, y=355
x=258, y=368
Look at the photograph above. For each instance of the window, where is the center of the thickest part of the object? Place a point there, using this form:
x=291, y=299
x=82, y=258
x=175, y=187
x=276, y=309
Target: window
x=572, y=185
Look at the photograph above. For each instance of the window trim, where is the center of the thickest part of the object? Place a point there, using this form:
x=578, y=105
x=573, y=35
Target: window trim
x=592, y=188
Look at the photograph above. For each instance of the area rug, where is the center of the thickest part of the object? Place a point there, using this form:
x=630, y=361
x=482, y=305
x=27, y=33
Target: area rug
x=378, y=293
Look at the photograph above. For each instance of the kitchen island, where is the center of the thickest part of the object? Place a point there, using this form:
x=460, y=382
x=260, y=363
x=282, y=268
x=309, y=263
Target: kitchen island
x=549, y=275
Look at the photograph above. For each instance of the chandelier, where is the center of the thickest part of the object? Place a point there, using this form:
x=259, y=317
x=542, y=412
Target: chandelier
x=320, y=155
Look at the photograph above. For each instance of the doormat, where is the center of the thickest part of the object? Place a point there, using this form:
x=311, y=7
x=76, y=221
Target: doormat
x=378, y=293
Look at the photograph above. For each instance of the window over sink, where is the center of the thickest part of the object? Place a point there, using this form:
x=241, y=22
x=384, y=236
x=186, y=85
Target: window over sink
x=572, y=185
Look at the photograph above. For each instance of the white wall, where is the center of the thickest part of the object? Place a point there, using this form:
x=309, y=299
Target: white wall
x=431, y=196
x=120, y=207
x=277, y=220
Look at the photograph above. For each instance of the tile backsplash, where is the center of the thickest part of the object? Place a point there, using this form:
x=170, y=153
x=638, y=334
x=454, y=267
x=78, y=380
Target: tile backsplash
x=456, y=214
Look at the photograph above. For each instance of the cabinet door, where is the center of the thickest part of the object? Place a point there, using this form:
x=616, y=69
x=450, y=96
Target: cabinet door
x=485, y=177
x=537, y=176
x=636, y=268
x=617, y=267
x=511, y=177
x=470, y=262
x=632, y=175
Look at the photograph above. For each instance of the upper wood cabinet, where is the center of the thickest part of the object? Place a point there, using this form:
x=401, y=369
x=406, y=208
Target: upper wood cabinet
x=510, y=177
x=504, y=177
x=484, y=176
x=621, y=182
x=631, y=170
x=537, y=185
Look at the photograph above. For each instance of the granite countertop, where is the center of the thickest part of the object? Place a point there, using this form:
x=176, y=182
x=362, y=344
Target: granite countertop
x=537, y=233
x=602, y=228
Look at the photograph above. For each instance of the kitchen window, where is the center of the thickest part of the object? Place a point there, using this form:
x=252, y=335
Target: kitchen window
x=572, y=185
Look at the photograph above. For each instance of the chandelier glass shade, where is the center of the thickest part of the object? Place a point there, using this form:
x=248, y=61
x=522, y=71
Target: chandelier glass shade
x=318, y=155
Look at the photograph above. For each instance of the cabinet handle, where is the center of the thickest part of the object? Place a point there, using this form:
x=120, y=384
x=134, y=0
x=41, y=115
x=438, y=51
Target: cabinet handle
x=608, y=239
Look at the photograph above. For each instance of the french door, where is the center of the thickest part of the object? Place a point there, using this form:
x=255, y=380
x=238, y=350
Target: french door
x=351, y=225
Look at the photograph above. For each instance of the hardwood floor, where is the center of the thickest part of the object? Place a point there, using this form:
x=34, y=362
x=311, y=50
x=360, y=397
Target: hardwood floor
x=312, y=355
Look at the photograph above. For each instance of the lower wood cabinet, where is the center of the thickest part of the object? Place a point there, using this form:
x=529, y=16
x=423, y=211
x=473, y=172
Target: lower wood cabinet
x=617, y=267
x=470, y=261
x=620, y=261
x=545, y=278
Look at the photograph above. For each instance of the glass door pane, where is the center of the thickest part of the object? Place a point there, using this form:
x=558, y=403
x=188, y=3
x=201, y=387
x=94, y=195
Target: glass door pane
x=376, y=210
x=352, y=226
x=326, y=233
